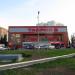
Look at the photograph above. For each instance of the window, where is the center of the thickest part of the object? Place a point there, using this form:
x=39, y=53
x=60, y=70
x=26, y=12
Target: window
x=17, y=35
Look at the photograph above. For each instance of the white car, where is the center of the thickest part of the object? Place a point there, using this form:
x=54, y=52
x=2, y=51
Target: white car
x=51, y=46
x=2, y=48
x=37, y=47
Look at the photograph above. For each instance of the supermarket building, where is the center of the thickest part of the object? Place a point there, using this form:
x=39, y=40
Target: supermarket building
x=19, y=34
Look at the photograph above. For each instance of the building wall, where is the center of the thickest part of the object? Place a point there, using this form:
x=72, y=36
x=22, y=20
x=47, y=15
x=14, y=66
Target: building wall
x=19, y=34
x=3, y=32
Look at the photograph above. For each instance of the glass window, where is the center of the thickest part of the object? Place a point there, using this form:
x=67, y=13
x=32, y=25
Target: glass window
x=12, y=36
x=18, y=35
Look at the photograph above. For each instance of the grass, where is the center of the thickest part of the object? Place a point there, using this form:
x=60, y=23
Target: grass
x=36, y=69
x=41, y=52
x=68, y=63
x=36, y=54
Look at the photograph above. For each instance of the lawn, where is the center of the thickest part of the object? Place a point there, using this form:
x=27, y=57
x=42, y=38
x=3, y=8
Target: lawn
x=41, y=53
x=37, y=54
x=58, y=67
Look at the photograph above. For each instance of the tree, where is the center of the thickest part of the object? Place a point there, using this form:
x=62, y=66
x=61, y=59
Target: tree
x=73, y=40
x=1, y=39
x=5, y=40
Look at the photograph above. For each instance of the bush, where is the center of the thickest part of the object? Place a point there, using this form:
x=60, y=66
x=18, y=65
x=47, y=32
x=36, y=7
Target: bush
x=26, y=55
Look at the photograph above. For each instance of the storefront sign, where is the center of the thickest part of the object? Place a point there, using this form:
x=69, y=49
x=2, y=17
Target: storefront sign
x=40, y=30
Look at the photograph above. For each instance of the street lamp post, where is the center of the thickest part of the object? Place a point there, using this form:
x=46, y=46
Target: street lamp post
x=38, y=24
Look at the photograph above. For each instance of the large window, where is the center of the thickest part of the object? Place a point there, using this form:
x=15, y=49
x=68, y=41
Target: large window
x=16, y=38
x=17, y=35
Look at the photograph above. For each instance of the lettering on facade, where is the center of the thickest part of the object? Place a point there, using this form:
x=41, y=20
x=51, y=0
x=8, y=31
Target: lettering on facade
x=40, y=30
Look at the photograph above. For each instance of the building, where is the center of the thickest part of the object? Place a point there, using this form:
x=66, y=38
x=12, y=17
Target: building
x=3, y=36
x=3, y=32
x=20, y=34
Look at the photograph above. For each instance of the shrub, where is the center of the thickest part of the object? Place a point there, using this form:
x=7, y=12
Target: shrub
x=26, y=55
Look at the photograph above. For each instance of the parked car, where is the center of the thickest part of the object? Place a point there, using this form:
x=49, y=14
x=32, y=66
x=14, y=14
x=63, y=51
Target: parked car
x=58, y=45
x=28, y=46
x=47, y=46
x=37, y=47
x=44, y=46
x=3, y=48
x=51, y=46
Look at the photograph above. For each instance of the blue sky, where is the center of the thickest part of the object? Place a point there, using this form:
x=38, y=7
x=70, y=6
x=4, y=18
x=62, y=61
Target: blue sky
x=24, y=12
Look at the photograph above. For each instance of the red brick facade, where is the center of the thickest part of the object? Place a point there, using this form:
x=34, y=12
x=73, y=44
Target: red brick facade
x=19, y=34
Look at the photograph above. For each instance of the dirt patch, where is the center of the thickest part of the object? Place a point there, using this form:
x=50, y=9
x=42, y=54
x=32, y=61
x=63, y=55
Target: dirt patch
x=37, y=57
x=56, y=71
x=50, y=71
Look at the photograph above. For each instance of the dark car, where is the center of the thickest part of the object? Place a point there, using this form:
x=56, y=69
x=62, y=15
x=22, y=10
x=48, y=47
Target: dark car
x=28, y=46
